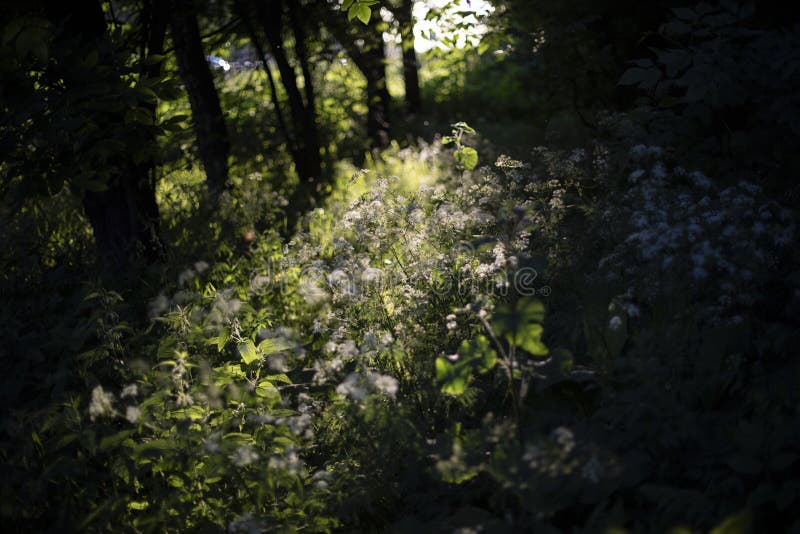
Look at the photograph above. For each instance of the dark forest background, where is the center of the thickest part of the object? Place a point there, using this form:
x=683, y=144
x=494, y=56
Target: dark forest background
x=497, y=266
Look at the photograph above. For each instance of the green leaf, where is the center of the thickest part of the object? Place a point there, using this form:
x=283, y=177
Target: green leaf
x=274, y=344
x=279, y=377
x=454, y=377
x=473, y=356
x=464, y=127
x=360, y=11
x=468, y=157
x=520, y=325
x=735, y=524
x=220, y=340
x=114, y=440
x=248, y=352
x=156, y=446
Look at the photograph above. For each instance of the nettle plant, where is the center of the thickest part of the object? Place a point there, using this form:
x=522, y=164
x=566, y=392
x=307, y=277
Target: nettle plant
x=210, y=443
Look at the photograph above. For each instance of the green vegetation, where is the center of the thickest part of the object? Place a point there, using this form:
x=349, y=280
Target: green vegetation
x=554, y=287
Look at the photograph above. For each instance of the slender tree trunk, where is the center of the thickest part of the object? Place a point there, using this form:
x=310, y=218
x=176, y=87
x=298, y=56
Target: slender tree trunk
x=378, y=98
x=209, y=123
x=124, y=215
x=403, y=14
x=308, y=165
x=309, y=126
x=303, y=135
x=377, y=111
x=370, y=59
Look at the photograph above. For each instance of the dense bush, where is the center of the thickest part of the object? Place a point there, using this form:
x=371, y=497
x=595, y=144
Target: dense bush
x=437, y=356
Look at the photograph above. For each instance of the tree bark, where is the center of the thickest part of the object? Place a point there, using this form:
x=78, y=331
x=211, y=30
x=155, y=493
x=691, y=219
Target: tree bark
x=403, y=14
x=309, y=164
x=123, y=215
x=370, y=59
x=209, y=124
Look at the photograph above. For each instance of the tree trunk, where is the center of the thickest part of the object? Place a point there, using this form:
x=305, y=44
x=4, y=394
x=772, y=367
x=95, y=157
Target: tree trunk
x=309, y=165
x=209, y=123
x=377, y=110
x=378, y=98
x=403, y=14
x=124, y=215
x=303, y=135
x=370, y=59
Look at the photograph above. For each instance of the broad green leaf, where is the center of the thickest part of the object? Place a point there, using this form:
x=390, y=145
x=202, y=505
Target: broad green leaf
x=195, y=412
x=279, y=378
x=220, y=340
x=272, y=345
x=239, y=438
x=520, y=325
x=473, y=356
x=463, y=126
x=468, y=157
x=156, y=446
x=454, y=377
x=267, y=389
x=360, y=11
x=248, y=352
x=113, y=440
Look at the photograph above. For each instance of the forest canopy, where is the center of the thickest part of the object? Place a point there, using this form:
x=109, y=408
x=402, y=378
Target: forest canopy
x=399, y=266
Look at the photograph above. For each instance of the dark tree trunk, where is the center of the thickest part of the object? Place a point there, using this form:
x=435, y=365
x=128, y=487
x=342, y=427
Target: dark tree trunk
x=403, y=14
x=377, y=111
x=124, y=215
x=370, y=59
x=309, y=164
x=372, y=63
x=309, y=126
x=209, y=123
x=303, y=135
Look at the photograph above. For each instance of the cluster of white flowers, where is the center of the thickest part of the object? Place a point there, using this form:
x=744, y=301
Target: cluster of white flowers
x=101, y=404
x=358, y=385
x=247, y=523
x=244, y=456
x=290, y=462
x=549, y=458
x=682, y=227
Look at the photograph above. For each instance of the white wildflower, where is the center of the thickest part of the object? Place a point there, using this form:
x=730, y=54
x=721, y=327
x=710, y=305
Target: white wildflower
x=635, y=175
x=247, y=523
x=371, y=275
x=289, y=462
x=101, y=403
x=321, y=479
x=211, y=443
x=185, y=276
x=158, y=305
x=244, y=456
x=385, y=384
x=351, y=388
x=132, y=414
